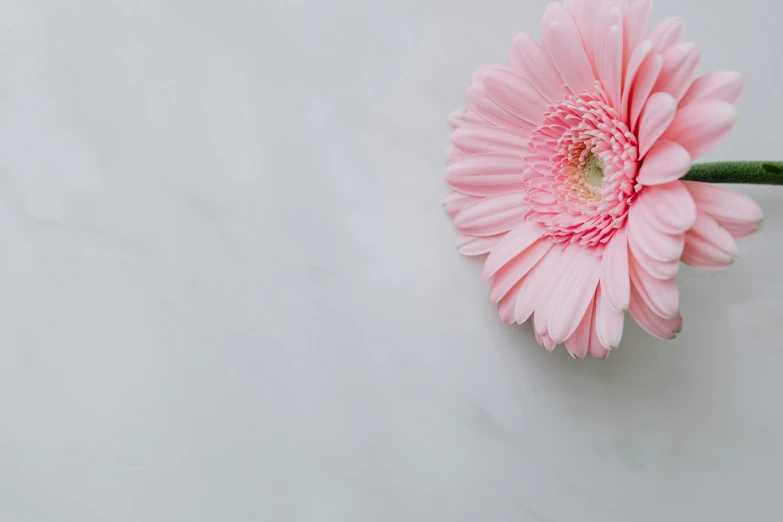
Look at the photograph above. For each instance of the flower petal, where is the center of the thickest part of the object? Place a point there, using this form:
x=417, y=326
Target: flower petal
x=720, y=86
x=643, y=86
x=506, y=305
x=486, y=174
x=669, y=207
x=660, y=295
x=584, y=15
x=532, y=62
x=608, y=57
x=477, y=246
x=562, y=40
x=709, y=230
x=453, y=154
x=579, y=342
x=657, y=269
x=573, y=294
x=492, y=215
x=485, y=139
x=483, y=71
x=480, y=101
x=659, y=112
x=535, y=284
x=652, y=323
x=515, y=95
x=547, y=342
x=609, y=321
x=636, y=20
x=733, y=211
x=465, y=116
x=666, y=161
x=635, y=62
x=680, y=64
x=708, y=245
x=699, y=126
x=457, y=201
x=658, y=245
x=614, y=271
x=597, y=349
x=516, y=242
x=512, y=272
x=547, y=300
x=666, y=34
x=700, y=253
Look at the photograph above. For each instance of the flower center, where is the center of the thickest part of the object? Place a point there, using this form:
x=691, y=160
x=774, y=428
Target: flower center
x=581, y=170
x=593, y=171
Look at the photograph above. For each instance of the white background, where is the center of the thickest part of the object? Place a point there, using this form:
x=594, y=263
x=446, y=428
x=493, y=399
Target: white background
x=229, y=292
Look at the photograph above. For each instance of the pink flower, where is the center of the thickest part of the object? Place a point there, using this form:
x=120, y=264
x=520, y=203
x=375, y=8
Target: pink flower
x=566, y=165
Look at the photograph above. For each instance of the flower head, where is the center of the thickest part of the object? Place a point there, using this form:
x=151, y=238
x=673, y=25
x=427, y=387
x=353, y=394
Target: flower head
x=565, y=170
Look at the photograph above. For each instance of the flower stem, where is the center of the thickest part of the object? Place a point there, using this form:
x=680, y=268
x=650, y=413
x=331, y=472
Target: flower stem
x=749, y=172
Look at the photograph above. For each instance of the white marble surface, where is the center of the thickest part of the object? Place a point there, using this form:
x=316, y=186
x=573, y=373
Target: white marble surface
x=229, y=292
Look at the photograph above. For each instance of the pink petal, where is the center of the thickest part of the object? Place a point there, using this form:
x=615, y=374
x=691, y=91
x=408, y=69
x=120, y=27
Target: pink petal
x=485, y=139
x=562, y=40
x=492, y=215
x=465, y=116
x=480, y=101
x=666, y=161
x=517, y=241
x=659, y=295
x=608, y=321
x=548, y=343
x=483, y=71
x=545, y=341
x=710, y=231
x=515, y=95
x=643, y=86
x=651, y=323
x=732, y=210
x=741, y=231
x=680, y=64
x=720, y=86
x=453, y=155
x=700, y=253
x=657, y=269
x=511, y=273
x=477, y=246
x=636, y=20
x=547, y=300
x=506, y=305
x=614, y=271
x=708, y=245
x=659, y=112
x=456, y=201
x=486, y=174
x=535, y=285
x=701, y=125
x=573, y=294
x=635, y=62
x=666, y=34
x=584, y=14
x=532, y=62
x=597, y=348
x=622, y=5
x=579, y=342
x=608, y=56
x=656, y=244
x=668, y=207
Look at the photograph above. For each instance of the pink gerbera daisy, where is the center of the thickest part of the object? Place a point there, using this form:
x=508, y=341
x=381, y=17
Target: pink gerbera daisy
x=566, y=168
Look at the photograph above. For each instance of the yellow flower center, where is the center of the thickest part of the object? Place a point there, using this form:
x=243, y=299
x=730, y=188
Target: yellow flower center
x=594, y=170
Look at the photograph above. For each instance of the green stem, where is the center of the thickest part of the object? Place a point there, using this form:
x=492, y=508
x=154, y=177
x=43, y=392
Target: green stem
x=749, y=172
